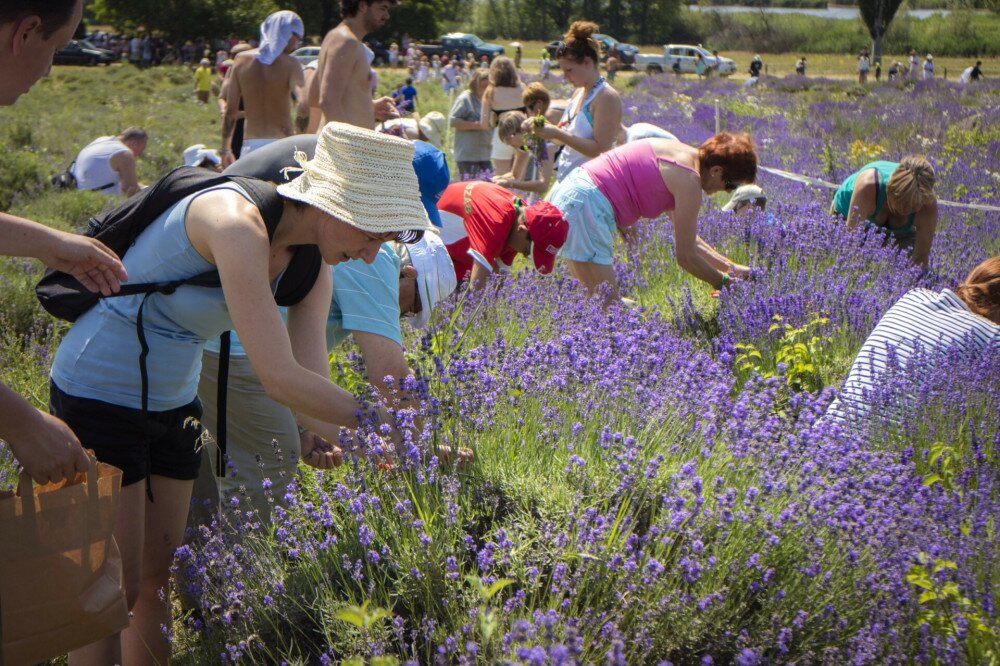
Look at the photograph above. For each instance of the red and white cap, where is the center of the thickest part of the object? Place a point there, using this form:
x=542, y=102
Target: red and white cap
x=548, y=228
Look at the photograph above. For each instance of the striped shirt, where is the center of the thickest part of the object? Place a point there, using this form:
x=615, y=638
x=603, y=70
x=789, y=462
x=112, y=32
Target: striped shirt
x=924, y=325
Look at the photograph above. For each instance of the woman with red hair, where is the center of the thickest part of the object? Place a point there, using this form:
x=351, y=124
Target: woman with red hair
x=645, y=179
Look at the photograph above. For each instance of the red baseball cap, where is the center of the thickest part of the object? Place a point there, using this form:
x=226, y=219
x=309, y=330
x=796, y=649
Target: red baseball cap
x=548, y=228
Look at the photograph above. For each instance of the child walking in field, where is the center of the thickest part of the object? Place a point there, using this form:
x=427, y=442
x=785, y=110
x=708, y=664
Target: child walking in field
x=203, y=81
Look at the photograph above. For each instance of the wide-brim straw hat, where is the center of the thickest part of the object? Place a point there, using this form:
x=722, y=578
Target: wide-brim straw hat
x=363, y=178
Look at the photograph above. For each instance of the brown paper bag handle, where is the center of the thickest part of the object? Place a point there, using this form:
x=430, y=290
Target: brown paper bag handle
x=26, y=488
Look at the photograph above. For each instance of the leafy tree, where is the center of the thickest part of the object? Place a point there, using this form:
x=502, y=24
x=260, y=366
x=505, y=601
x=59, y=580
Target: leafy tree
x=419, y=18
x=877, y=15
x=185, y=19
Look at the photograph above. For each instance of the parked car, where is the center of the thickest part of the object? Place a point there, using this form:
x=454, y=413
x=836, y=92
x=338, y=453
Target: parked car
x=306, y=54
x=82, y=52
x=626, y=52
x=686, y=55
x=463, y=43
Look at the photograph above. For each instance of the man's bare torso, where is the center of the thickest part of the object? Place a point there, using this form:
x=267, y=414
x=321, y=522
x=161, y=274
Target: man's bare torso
x=343, y=57
x=267, y=91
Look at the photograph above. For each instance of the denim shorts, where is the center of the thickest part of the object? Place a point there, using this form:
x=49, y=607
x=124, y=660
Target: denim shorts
x=590, y=216
x=162, y=443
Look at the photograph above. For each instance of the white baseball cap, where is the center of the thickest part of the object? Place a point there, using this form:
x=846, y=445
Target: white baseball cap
x=744, y=194
x=198, y=154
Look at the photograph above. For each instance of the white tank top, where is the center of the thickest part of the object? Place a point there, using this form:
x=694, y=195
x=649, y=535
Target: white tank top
x=578, y=124
x=93, y=166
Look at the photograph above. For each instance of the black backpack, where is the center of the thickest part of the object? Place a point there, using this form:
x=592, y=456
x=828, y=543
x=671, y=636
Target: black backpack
x=64, y=297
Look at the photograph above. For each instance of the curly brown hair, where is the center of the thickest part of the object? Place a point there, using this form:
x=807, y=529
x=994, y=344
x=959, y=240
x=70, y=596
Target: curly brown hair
x=981, y=289
x=578, y=42
x=350, y=8
x=735, y=153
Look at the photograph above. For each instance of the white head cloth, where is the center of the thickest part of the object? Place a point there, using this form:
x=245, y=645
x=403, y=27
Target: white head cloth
x=275, y=32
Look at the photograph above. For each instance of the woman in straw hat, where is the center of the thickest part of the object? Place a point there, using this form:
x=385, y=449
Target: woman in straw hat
x=357, y=193
x=369, y=302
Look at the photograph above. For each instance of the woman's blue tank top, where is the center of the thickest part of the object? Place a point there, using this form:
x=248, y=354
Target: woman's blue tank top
x=99, y=357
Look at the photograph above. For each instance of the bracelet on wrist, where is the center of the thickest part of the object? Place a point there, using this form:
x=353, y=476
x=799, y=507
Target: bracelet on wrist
x=725, y=280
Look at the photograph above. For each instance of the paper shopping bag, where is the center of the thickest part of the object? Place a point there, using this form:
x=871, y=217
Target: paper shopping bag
x=60, y=569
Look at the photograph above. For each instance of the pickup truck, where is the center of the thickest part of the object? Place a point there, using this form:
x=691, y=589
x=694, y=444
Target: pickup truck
x=686, y=55
x=463, y=43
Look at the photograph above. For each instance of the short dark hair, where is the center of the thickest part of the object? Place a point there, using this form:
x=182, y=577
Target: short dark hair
x=54, y=13
x=134, y=134
x=350, y=8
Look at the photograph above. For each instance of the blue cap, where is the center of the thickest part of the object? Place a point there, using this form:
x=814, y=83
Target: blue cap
x=433, y=176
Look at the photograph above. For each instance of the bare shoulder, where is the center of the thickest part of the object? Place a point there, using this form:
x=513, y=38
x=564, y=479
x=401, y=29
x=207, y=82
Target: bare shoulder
x=225, y=209
x=290, y=64
x=609, y=94
x=341, y=38
x=681, y=160
x=122, y=159
x=865, y=179
x=244, y=59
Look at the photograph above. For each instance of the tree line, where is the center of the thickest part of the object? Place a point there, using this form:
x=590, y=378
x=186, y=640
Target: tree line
x=639, y=21
x=180, y=20
x=643, y=21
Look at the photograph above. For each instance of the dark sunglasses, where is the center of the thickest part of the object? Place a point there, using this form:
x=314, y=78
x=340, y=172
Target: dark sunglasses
x=729, y=185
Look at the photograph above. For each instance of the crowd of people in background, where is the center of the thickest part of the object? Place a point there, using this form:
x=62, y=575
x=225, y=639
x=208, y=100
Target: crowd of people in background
x=352, y=224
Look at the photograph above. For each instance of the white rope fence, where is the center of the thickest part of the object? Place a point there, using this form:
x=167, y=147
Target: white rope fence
x=819, y=182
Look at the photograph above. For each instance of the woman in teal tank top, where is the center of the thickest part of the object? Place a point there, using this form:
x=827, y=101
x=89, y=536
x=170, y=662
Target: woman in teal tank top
x=897, y=197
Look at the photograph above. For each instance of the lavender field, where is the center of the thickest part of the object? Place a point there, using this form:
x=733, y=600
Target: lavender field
x=646, y=490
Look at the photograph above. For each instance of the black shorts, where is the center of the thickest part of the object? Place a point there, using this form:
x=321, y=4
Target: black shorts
x=163, y=443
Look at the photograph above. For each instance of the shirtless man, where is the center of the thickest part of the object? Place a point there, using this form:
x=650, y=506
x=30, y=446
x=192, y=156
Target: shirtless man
x=341, y=86
x=265, y=77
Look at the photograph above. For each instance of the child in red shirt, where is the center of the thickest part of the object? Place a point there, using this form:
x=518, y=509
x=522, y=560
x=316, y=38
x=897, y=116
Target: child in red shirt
x=486, y=226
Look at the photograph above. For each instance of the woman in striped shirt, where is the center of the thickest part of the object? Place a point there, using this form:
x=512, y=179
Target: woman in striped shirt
x=923, y=327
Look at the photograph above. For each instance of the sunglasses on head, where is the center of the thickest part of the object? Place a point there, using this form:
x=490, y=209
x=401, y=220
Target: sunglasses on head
x=408, y=236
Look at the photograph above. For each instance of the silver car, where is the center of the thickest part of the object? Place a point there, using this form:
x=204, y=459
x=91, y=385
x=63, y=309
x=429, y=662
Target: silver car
x=306, y=54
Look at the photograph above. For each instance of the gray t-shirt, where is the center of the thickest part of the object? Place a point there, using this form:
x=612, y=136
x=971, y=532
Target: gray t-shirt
x=470, y=145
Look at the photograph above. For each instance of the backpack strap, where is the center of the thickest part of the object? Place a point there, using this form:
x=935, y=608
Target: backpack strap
x=300, y=276
x=221, y=398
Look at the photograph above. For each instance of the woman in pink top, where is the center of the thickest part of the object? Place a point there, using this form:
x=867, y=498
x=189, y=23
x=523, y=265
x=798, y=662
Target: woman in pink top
x=648, y=178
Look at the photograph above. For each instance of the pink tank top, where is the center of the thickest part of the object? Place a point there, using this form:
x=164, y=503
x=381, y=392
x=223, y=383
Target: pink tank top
x=629, y=176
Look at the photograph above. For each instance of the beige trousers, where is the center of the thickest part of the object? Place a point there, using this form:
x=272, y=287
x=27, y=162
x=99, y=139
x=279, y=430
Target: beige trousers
x=262, y=443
